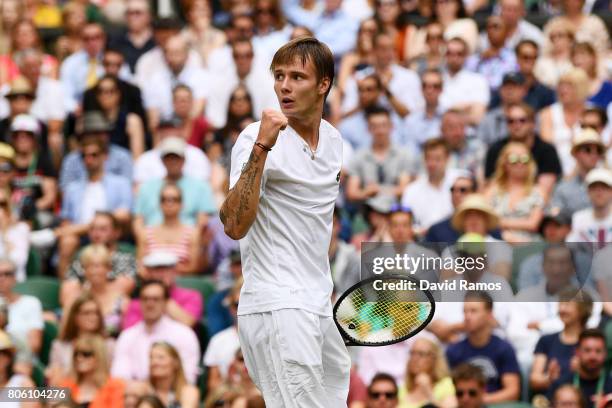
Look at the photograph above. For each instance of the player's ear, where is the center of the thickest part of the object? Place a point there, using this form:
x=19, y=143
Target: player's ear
x=324, y=85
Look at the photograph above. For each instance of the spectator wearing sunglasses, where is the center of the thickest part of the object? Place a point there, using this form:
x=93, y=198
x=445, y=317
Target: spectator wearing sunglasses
x=101, y=191
x=113, y=62
x=90, y=383
x=493, y=127
x=470, y=386
x=520, y=119
x=514, y=194
x=118, y=161
x=382, y=392
x=571, y=194
x=444, y=231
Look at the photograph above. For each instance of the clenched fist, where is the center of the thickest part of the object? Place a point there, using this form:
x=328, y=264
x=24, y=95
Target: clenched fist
x=272, y=122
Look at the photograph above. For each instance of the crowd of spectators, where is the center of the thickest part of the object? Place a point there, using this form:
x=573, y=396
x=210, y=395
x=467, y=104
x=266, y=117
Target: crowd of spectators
x=463, y=121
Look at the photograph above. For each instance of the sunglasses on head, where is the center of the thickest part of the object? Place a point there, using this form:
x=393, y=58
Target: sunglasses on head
x=518, y=158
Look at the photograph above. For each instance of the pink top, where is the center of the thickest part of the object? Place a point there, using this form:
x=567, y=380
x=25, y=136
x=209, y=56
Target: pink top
x=181, y=248
x=190, y=300
x=131, y=358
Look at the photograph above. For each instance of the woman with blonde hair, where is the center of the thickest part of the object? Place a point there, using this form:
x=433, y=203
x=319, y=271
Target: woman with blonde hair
x=556, y=57
x=514, y=195
x=587, y=26
x=14, y=236
x=560, y=122
x=84, y=317
x=96, y=262
x=428, y=381
x=167, y=378
x=90, y=383
x=585, y=56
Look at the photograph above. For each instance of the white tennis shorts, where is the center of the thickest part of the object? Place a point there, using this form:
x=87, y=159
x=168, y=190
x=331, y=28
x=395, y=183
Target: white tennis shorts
x=296, y=358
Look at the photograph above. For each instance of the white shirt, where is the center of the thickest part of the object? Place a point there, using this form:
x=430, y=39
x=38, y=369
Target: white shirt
x=429, y=203
x=94, y=199
x=151, y=60
x=285, y=252
x=149, y=165
x=465, y=87
x=24, y=315
x=405, y=85
x=17, y=247
x=259, y=84
x=46, y=107
x=220, y=60
x=585, y=228
x=222, y=349
x=157, y=92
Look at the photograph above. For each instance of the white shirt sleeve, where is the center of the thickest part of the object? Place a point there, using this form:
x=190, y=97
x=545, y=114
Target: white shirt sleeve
x=240, y=155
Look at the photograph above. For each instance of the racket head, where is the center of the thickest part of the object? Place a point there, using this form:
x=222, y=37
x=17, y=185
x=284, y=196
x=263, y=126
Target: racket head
x=366, y=316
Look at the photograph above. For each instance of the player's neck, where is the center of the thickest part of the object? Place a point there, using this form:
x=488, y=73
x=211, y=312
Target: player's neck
x=307, y=128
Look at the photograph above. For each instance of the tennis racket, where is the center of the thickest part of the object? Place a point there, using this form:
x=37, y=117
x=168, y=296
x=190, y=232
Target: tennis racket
x=383, y=310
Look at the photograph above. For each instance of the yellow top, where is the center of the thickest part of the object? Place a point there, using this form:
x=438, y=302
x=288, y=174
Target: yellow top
x=441, y=390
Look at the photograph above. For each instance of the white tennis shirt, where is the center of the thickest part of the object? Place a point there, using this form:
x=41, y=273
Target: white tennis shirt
x=285, y=252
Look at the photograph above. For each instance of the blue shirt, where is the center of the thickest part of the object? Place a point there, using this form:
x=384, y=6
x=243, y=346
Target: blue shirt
x=496, y=358
x=603, y=97
x=197, y=198
x=354, y=129
x=550, y=345
x=117, y=191
x=73, y=76
x=118, y=162
x=493, y=69
x=418, y=128
x=337, y=29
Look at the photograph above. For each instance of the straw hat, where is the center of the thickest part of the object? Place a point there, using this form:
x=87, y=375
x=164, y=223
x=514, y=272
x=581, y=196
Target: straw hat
x=587, y=136
x=475, y=202
x=20, y=86
x=5, y=341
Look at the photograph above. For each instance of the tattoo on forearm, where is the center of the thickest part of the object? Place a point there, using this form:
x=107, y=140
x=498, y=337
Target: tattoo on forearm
x=232, y=214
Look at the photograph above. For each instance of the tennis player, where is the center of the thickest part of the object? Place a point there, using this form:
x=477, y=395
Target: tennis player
x=284, y=180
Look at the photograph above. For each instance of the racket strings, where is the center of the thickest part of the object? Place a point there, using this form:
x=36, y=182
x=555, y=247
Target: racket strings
x=381, y=316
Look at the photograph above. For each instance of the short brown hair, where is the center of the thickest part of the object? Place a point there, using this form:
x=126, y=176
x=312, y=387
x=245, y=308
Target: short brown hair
x=469, y=372
x=433, y=144
x=307, y=49
x=526, y=108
